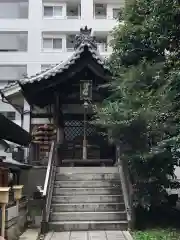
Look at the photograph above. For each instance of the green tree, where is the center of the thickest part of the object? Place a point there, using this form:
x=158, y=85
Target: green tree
x=142, y=112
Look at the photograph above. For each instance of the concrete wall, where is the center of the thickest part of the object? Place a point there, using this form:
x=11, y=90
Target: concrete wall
x=16, y=221
x=32, y=178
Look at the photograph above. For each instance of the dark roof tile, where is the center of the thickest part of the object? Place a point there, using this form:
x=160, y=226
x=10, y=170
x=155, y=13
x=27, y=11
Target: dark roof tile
x=84, y=40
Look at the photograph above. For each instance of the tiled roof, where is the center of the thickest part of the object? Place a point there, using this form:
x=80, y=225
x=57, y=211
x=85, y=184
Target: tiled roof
x=64, y=65
x=9, y=86
x=83, y=40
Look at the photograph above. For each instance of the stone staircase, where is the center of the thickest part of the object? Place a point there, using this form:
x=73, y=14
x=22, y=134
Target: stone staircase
x=87, y=198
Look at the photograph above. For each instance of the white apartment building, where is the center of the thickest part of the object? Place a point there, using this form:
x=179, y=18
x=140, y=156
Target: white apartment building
x=35, y=34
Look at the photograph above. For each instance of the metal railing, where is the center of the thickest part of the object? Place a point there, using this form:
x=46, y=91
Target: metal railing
x=73, y=17
x=127, y=189
x=48, y=189
x=98, y=16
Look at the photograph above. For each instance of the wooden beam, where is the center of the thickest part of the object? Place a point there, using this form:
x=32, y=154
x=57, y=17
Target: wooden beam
x=34, y=92
x=13, y=132
x=41, y=115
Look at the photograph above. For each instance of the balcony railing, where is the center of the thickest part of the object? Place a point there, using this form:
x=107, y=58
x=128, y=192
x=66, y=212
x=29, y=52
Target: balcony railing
x=73, y=17
x=70, y=49
x=100, y=16
x=63, y=17
x=102, y=47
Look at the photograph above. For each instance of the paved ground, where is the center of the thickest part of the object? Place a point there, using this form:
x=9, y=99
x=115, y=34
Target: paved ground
x=94, y=235
x=29, y=234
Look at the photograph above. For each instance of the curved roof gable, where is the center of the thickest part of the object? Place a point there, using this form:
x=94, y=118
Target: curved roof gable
x=82, y=41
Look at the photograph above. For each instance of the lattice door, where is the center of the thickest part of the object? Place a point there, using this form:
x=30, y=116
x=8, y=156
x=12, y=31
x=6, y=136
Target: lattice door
x=74, y=129
x=74, y=133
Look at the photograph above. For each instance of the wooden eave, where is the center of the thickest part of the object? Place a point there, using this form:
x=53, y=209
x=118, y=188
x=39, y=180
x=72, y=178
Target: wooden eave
x=12, y=132
x=35, y=91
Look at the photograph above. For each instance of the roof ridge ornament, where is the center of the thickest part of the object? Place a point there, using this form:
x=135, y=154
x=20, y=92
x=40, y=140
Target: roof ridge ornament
x=84, y=37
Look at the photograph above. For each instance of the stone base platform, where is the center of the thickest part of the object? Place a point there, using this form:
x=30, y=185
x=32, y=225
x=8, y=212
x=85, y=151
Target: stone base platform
x=89, y=235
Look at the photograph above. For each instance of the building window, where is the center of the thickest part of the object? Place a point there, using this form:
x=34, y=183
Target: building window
x=10, y=115
x=73, y=11
x=100, y=11
x=52, y=43
x=57, y=43
x=117, y=13
x=10, y=9
x=70, y=41
x=101, y=43
x=12, y=72
x=53, y=11
x=13, y=41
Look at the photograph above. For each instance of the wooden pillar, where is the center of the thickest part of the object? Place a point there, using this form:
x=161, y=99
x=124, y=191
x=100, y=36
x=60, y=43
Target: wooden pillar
x=34, y=154
x=26, y=126
x=59, y=122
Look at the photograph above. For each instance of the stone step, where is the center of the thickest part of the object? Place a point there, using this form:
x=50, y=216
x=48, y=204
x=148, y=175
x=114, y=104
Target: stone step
x=87, y=162
x=88, y=216
x=87, y=225
x=88, y=199
x=85, y=191
x=87, y=176
x=84, y=170
x=86, y=184
x=87, y=207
